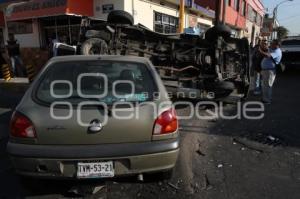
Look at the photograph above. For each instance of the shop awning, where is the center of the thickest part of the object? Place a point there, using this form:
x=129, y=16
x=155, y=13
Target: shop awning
x=44, y=8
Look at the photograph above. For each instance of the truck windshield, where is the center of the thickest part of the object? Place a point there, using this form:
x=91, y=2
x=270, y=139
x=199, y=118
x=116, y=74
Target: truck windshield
x=103, y=81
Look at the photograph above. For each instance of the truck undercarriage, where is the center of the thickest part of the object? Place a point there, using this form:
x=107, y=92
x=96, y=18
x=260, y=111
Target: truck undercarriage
x=213, y=65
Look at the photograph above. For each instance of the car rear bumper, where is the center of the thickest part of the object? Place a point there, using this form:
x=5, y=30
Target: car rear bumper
x=61, y=161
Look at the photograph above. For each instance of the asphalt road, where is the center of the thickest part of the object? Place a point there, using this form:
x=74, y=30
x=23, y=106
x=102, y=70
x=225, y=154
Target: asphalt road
x=231, y=159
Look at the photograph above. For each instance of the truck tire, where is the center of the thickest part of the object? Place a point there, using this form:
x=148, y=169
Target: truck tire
x=217, y=31
x=94, y=46
x=120, y=17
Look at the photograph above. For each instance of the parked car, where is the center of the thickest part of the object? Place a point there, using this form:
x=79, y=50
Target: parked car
x=291, y=51
x=66, y=125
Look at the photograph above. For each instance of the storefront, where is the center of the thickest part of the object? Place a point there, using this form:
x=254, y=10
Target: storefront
x=36, y=22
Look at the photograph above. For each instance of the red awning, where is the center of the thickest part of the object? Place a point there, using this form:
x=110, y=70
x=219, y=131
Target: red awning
x=45, y=8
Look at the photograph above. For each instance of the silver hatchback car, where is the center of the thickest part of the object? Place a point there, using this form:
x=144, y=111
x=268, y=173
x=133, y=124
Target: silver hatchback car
x=94, y=117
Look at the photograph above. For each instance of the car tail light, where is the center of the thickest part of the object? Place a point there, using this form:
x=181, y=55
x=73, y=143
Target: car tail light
x=166, y=123
x=21, y=126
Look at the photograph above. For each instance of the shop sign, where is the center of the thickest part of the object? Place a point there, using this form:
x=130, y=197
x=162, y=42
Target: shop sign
x=38, y=5
x=106, y=8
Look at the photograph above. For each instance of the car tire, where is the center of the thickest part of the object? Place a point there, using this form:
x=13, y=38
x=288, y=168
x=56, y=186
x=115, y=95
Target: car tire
x=217, y=31
x=120, y=17
x=94, y=46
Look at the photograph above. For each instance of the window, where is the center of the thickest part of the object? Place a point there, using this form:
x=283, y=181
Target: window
x=243, y=10
x=229, y=2
x=259, y=20
x=165, y=23
x=60, y=27
x=20, y=27
x=141, y=86
x=255, y=16
x=251, y=14
x=236, y=5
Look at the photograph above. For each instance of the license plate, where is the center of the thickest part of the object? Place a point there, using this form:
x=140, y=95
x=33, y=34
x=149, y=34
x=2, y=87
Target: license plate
x=95, y=170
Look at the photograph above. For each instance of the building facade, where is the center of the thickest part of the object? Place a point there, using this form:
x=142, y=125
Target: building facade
x=245, y=17
x=35, y=22
x=157, y=15
x=269, y=26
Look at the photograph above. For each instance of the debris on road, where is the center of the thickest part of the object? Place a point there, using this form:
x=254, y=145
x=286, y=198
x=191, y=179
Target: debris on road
x=220, y=165
x=173, y=186
x=297, y=153
x=262, y=138
x=239, y=141
x=97, y=189
x=271, y=138
x=207, y=185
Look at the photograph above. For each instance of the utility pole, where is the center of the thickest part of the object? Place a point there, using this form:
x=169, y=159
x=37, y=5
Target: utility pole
x=220, y=8
x=224, y=11
x=181, y=16
x=218, y=11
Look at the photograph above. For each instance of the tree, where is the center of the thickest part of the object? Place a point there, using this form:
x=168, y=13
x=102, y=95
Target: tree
x=282, y=32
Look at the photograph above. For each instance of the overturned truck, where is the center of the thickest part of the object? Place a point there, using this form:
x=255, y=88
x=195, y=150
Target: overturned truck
x=213, y=65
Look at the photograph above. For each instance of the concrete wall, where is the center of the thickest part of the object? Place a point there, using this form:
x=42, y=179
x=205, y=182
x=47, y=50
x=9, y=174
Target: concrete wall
x=30, y=40
x=205, y=21
x=143, y=11
x=250, y=26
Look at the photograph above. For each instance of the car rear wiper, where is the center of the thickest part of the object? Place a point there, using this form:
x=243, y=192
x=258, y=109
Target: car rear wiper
x=100, y=108
x=84, y=98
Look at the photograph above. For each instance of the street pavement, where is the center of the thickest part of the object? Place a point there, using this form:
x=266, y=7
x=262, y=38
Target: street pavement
x=219, y=159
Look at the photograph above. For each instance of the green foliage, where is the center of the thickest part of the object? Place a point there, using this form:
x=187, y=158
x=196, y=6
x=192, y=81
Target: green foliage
x=282, y=32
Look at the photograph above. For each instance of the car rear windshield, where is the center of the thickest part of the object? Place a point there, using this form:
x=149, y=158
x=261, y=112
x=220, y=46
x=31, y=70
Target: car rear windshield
x=291, y=43
x=103, y=81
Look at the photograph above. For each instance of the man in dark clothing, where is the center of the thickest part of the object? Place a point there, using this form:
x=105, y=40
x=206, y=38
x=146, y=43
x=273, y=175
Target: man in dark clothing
x=256, y=63
x=13, y=49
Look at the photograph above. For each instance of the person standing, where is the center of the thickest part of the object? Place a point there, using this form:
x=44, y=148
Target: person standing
x=14, y=54
x=268, y=66
x=257, y=58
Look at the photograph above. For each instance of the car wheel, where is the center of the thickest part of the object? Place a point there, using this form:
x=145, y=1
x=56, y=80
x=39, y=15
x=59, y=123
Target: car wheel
x=94, y=46
x=120, y=17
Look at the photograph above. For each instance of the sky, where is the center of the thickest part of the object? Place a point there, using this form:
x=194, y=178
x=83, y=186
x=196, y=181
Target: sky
x=288, y=14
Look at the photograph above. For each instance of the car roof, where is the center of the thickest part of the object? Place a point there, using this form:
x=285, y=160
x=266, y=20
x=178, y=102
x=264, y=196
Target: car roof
x=99, y=57
x=291, y=38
